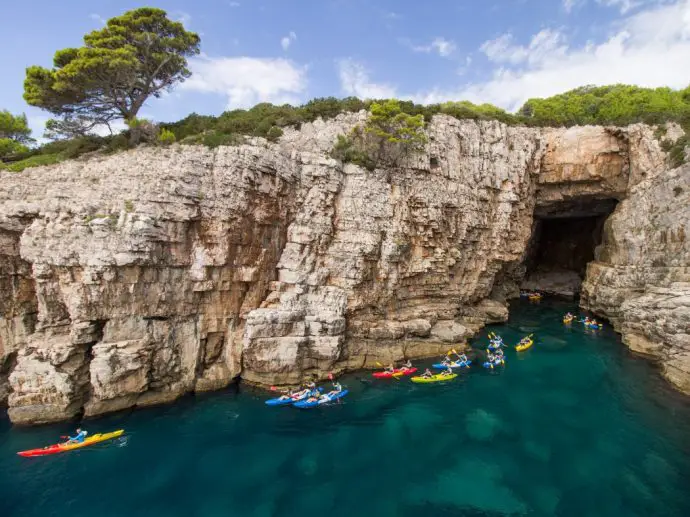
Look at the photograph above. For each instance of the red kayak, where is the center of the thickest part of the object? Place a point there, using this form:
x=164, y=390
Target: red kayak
x=67, y=446
x=396, y=373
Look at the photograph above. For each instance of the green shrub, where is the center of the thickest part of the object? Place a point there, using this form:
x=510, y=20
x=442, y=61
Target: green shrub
x=117, y=143
x=34, y=161
x=618, y=104
x=213, y=139
x=10, y=148
x=166, y=137
x=274, y=134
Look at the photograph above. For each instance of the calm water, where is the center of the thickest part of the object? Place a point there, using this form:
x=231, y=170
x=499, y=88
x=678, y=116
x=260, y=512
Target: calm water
x=574, y=426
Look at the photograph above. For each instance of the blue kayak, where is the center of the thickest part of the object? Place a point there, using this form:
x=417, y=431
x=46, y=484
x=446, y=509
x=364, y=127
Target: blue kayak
x=463, y=364
x=287, y=401
x=304, y=404
x=487, y=364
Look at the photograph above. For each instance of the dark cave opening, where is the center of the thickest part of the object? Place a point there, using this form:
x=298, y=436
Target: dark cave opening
x=563, y=242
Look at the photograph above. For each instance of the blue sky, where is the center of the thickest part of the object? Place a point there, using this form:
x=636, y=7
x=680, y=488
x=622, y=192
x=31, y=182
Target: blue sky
x=498, y=51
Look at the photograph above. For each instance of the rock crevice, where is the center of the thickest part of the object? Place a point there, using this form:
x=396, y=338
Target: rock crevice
x=132, y=279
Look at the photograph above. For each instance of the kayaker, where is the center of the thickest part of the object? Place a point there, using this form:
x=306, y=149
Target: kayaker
x=300, y=394
x=427, y=374
x=79, y=438
x=390, y=368
x=337, y=388
x=463, y=358
x=311, y=385
x=406, y=365
x=448, y=371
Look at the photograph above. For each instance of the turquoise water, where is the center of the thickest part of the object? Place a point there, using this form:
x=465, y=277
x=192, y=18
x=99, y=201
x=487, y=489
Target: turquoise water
x=574, y=426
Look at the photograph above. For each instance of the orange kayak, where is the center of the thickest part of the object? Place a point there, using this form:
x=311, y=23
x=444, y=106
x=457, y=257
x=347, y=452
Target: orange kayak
x=67, y=446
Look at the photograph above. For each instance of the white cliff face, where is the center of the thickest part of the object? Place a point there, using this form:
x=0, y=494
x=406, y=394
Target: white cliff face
x=134, y=278
x=641, y=277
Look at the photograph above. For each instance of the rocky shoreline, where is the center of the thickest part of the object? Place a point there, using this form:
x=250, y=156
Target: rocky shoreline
x=135, y=278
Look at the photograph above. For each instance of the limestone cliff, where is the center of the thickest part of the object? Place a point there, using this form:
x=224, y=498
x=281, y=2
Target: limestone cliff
x=640, y=279
x=134, y=278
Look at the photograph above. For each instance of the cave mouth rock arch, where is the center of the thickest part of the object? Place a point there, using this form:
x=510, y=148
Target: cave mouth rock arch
x=563, y=241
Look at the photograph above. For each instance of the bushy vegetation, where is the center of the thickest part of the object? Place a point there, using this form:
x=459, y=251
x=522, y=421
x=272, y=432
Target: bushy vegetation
x=615, y=105
x=14, y=134
x=388, y=135
x=607, y=105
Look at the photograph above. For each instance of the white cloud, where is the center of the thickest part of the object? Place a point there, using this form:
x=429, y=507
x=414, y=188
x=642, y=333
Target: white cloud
x=234, y=4
x=354, y=80
x=286, y=41
x=97, y=18
x=117, y=126
x=568, y=5
x=546, y=42
x=650, y=48
x=623, y=5
x=246, y=80
x=443, y=46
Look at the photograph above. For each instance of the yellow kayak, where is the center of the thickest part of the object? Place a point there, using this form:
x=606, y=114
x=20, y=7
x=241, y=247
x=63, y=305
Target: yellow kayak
x=436, y=378
x=525, y=346
x=66, y=446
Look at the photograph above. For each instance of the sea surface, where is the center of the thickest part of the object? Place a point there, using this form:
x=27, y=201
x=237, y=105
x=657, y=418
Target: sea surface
x=575, y=426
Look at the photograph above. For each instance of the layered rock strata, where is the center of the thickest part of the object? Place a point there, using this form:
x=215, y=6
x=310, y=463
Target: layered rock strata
x=132, y=279
x=640, y=279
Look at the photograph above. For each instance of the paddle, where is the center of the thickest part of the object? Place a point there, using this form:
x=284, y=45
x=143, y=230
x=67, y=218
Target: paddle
x=392, y=375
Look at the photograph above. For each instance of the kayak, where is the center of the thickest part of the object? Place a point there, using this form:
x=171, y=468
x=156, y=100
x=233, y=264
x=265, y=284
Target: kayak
x=436, y=378
x=396, y=373
x=287, y=401
x=65, y=446
x=492, y=365
x=305, y=404
x=456, y=364
x=534, y=298
x=597, y=326
x=525, y=346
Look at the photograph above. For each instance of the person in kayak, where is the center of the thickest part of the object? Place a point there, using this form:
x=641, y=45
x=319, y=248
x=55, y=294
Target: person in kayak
x=427, y=374
x=390, y=368
x=337, y=388
x=79, y=437
x=406, y=365
x=448, y=371
x=300, y=394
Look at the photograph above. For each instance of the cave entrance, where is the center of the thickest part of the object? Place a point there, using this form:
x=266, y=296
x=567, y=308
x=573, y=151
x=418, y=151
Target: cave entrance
x=563, y=242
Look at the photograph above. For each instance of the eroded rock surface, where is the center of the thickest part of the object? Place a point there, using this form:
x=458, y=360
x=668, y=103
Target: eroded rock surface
x=641, y=277
x=132, y=279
